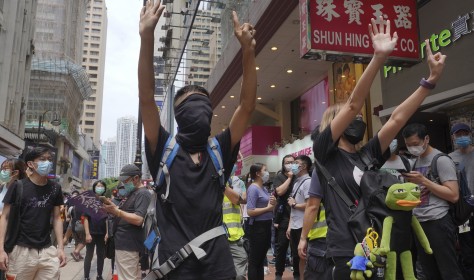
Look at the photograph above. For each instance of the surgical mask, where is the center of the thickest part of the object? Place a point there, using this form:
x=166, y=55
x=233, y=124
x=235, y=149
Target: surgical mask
x=129, y=187
x=5, y=176
x=295, y=168
x=122, y=192
x=354, y=133
x=416, y=150
x=193, y=117
x=463, y=141
x=288, y=167
x=44, y=167
x=393, y=146
x=99, y=190
x=265, y=176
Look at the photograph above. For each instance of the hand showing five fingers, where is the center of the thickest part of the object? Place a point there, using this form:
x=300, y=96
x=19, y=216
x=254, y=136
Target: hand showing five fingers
x=245, y=33
x=382, y=41
x=149, y=16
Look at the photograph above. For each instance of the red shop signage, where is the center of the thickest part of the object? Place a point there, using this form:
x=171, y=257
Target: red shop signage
x=336, y=30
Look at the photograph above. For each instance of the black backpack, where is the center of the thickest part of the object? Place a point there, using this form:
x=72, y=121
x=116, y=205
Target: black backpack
x=462, y=209
x=371, y=209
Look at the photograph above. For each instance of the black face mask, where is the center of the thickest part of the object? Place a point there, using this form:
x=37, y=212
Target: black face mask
x=354, y=133
x=194, y=116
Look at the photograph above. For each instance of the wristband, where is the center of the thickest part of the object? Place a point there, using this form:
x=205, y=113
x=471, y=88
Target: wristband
x=424, y=83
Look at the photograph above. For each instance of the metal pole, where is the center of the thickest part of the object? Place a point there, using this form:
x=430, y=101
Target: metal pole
x=39, y=129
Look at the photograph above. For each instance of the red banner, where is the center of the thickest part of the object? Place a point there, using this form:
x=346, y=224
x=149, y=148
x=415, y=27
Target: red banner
x=337, y=30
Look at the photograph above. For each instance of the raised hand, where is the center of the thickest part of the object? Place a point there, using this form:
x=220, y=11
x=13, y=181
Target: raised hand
x=245, y=33
x=382, y=42
x=149, y=16
x=435, y=62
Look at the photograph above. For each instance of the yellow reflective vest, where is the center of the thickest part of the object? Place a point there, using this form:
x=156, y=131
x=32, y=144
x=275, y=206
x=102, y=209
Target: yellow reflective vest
x=231, y=217
x=320, y=227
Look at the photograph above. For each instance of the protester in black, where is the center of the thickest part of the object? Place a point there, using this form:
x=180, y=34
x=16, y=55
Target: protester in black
x=283, y=183
x=95, y=236
x=40, y=203
x=194, y=204
x=341, y=129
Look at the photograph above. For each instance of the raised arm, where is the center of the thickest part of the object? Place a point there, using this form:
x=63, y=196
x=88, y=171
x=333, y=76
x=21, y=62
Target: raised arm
x=383, y=44
x=248, y=93
x=404, y=111
x=149, y=16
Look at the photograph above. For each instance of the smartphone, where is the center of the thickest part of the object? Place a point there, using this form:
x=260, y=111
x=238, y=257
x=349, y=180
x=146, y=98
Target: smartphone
x=104, y=200
x=402, y=171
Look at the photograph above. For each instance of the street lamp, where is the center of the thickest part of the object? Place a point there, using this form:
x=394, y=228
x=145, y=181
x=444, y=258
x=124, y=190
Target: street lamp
x=54, y=122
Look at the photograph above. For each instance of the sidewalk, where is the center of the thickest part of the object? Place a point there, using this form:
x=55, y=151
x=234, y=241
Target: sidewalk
x=75, y=270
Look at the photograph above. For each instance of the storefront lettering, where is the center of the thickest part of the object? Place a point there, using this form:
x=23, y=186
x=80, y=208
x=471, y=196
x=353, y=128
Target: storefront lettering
x=306, y=152
x=460, y=27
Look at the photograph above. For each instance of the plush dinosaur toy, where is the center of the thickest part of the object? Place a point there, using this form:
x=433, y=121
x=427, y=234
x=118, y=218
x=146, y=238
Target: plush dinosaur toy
x=359, y=264
x=401, y=198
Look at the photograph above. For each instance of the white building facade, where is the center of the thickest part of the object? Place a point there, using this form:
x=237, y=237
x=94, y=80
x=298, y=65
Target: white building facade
x=126, y=141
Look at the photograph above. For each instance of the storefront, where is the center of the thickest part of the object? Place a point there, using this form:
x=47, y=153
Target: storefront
x=450, y=30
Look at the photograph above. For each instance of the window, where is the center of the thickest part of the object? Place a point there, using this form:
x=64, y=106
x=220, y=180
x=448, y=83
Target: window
x=89, y=122
x=94, y=60
x=97, y=9
x=95, y=38
x=96, y=46
x=84, y=52
x=93, y=76
x=96, y=23
x=90, y=115
x=90, y=99
x=86, y=45
x=91, y=107
x=94, y=68
x=94, y=16
x=93, y=84
x=88, y=130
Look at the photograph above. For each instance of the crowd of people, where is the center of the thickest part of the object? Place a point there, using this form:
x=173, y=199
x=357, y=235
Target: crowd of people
x=207, y=223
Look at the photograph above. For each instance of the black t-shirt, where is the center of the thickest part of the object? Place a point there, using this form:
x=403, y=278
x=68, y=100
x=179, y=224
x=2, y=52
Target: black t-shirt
x=37, y=206
x=195, y=206
x=282, y=200
x=130, y=237
x=339, y=239
x=97, y=227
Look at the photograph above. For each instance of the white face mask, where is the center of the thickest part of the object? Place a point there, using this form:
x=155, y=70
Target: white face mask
x=265, y=176
x=288, y=167
x=393, y=146
x=416, y=150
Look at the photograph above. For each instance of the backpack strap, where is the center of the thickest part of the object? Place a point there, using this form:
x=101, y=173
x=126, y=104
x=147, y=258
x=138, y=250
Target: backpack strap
x=299, y=186
x=171, y=149
x=335, y=186
x=434, y=167
x=406, y=163
x=215, y=152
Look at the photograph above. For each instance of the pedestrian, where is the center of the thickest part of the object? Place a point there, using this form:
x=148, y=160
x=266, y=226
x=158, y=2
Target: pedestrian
x=260, y=206
x=193, y=205
x=432, y=212
x=283, y=183
x=95, y=236
x=34, y=256
x=235, y=196
x=341, y=129
x=128, y=232
x=463, y=156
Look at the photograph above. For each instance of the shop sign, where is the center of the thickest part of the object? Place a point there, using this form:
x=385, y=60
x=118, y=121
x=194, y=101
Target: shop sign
x=298, y=148
x=95, y=168
x=460, y=27
x=337, y=30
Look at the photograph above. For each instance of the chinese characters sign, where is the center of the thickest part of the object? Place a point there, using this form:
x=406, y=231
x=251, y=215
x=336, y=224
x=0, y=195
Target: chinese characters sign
x=337, y=30
x=88, y=203
x=95, y=167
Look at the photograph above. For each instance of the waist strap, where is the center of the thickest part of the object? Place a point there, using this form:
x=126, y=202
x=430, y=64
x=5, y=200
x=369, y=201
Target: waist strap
x=192, y=247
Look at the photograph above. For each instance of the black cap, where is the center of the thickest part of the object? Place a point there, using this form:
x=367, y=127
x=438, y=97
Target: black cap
x=128, y=171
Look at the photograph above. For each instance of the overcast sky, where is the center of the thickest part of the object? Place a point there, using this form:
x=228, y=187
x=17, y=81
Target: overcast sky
x=120, y=84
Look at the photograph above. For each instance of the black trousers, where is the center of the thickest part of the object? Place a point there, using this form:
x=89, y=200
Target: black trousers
x=281, y=249
x=295, y=235
x=260, y=235
x=99, y=243
x=466, y=243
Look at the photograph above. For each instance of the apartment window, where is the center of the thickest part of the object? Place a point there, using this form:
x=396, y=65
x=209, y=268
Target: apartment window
x=93, y=76
x=94, y=53
x=92, y=99
x=86, y=45
x=89, y=122
x=86, y=30
x=96, y=23
x=94, y=16
x=93, y=84
x=95, y=30
x=96, y=46
x=90, y=115
x=95, y=38
x=97, y=9
x=90, y=107
x=84, y=59
x=98, y=1
x=88, y=130
x=94, y=60
x=94, y=68
x=86, y=37
x=84, y=52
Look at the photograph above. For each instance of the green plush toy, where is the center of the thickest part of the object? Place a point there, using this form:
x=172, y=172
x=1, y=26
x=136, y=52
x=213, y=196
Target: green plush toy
x=359, y=264
x=402, y=198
